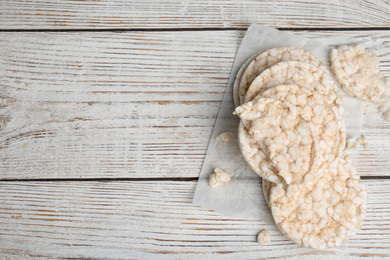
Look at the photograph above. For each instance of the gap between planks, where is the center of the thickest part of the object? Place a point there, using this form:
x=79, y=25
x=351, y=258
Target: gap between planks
x=178, y=179
x=185, y=179
x=188, y=29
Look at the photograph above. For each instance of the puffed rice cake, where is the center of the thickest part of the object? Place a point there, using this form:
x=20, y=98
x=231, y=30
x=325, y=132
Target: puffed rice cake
x=321, y=214
x=325, y=117
x=298, y=73
x=236, y=86
x=287, y=138
x=357, y=70
x=255, y=65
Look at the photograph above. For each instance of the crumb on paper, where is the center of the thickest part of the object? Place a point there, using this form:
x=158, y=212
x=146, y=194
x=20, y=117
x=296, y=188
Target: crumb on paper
x=218, y=177
x=224, y=137
x=350, y=143
x=385, y=112
x=264, y=237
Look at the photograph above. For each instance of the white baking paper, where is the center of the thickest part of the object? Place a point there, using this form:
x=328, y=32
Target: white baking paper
x=242, y=197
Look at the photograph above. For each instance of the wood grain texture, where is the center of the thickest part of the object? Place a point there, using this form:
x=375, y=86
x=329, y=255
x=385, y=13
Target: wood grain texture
x=116, y=220
x=134, y=104
x=51, y=14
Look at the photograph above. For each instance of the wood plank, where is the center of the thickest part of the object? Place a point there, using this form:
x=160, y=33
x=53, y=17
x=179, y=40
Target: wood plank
x=148, y=220
x=49, y=14
x=134, y=104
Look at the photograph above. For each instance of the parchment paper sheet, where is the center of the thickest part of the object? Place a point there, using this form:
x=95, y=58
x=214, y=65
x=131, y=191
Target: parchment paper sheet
x=242, y=197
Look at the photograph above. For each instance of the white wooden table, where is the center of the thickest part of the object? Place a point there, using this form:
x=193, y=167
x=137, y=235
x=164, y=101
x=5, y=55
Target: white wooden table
x=106, y=111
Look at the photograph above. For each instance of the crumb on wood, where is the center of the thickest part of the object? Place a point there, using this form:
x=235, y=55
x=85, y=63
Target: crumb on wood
x=264, y=237
x=3, y=101
x=351, y=142
x=362, y=140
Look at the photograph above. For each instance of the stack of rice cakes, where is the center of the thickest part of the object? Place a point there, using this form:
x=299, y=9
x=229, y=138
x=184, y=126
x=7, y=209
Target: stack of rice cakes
x=292, y=135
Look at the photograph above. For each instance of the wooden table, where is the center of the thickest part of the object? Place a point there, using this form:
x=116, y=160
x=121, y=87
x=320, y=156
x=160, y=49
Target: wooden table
x=106, y=112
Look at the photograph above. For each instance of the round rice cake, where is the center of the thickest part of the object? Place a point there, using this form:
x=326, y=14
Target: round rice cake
x=267, y=59
x=298, y=73
x=323, y=214
x=236, y=86
x=357, y=70
x=326, y=118
x=286, y=137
